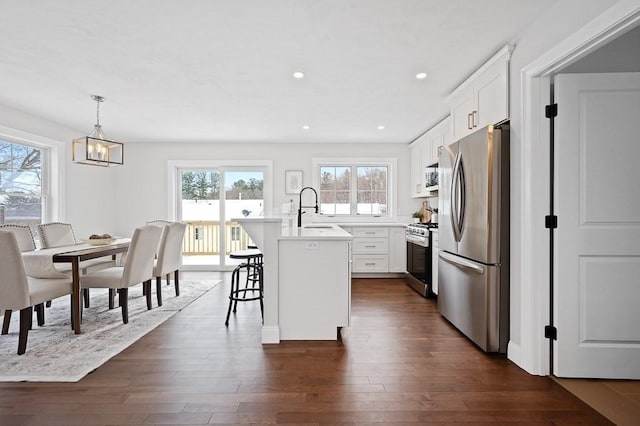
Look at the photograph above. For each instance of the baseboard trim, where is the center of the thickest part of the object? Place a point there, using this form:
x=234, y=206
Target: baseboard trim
x=270, y=335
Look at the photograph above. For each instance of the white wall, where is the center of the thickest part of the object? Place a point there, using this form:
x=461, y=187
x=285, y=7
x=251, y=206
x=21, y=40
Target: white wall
x=142, y=192
x=558, y=23
x=89, y=192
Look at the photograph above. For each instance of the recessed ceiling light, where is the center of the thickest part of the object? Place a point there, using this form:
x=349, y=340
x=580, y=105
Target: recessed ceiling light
x=380, y=127
x=305, y=127
x=421, y=75
x=298, y=75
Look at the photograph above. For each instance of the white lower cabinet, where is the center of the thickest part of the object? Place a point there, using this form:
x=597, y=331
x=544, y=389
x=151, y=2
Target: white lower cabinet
x=314, y=295
x=378, y=249
x=397, y=250
x=370, y=263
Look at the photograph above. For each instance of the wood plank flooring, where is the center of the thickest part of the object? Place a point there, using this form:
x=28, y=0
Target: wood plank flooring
x=399, y=363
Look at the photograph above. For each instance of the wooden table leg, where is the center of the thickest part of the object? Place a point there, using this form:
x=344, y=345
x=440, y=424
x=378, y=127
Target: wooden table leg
x=75, y=296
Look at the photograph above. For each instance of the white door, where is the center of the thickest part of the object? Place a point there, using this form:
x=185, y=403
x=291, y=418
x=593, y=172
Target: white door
x=597, y=263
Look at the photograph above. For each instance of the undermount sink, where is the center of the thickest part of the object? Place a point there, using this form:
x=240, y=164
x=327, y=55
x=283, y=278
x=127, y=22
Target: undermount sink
x=318, y=226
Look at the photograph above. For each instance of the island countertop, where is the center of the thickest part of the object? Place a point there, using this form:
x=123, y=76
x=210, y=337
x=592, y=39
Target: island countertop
x=325, y=231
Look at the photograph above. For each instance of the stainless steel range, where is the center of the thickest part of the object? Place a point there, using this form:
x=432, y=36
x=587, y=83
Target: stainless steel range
x=419, y=266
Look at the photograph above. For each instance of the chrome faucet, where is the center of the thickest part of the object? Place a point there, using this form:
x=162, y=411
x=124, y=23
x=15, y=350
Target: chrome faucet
x=300, y=212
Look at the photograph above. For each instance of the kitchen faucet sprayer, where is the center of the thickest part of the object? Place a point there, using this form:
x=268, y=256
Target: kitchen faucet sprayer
x=300, y=212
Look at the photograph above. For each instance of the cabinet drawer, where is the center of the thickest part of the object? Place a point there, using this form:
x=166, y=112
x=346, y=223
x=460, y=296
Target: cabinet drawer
x=364, y=263
x=370, y=232
x=370, y=245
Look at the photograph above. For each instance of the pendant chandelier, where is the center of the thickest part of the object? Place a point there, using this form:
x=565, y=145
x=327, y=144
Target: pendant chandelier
x=95, y=149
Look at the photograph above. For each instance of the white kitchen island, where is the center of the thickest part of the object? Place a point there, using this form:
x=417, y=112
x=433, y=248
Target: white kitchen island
x=307, y=279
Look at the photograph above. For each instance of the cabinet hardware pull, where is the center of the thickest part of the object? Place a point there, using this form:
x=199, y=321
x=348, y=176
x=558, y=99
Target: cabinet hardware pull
x=369, y=246
x=469, y=125
x=370, y=264
x=475, y=118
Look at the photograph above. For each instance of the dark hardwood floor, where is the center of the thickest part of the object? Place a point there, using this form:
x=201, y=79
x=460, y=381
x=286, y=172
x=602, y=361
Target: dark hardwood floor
x=399, y=363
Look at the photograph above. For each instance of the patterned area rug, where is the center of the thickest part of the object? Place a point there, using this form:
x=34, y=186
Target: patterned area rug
x=56, y=354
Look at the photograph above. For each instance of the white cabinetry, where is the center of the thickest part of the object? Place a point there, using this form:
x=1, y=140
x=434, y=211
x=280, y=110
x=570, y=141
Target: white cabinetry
x=378, y=249
x=314, y=295
x=434, y=262
x=417, y=167
x=424, y=152
x=397, y=250
x=370, y=249
x=483, y=98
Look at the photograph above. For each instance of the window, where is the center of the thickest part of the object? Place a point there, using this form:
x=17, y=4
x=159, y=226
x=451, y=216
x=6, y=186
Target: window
x=22, y=195
x=354, y=188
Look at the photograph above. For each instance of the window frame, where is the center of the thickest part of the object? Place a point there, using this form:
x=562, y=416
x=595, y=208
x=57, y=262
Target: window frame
x=354, y=163
x=53, y=173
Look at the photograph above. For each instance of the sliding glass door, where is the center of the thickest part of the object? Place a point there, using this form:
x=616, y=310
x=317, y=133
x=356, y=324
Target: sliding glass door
x=209, y=199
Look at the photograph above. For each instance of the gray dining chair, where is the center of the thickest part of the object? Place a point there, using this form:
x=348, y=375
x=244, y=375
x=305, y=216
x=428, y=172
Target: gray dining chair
x=168, y=257
x=19, y=292
x=137, y=268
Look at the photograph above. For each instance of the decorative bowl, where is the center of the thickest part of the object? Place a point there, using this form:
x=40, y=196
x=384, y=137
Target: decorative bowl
x=99, y=241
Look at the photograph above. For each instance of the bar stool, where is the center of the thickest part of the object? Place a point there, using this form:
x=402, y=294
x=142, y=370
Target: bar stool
x=253, y=265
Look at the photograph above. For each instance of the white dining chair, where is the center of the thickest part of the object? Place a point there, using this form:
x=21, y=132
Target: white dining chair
x=168, y=258
x=26, y=242
x=58, y=234
x=138, y=268
x=23, y=234
x=19, y=292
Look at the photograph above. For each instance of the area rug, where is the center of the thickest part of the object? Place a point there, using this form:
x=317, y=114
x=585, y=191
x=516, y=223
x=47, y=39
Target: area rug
x=56, y=354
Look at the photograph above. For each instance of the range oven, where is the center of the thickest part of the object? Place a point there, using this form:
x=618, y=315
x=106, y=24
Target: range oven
x=419, y=257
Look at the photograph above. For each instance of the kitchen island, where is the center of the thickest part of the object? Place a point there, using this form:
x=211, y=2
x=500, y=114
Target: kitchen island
x=307, y=279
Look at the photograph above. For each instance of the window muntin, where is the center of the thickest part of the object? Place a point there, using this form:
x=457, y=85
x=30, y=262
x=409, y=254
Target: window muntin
x=372, y=190
x=335, y=190
x=352, y=188
x=22, y=199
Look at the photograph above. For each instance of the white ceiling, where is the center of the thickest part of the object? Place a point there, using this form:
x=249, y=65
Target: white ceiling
x=221, y=71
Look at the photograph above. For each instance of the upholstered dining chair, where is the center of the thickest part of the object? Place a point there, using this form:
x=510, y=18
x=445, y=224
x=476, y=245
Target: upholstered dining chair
x=26, y=242
x=58, y=234
x=138, y=268
x=168, y=258
x=23, y=234
x=19, y=292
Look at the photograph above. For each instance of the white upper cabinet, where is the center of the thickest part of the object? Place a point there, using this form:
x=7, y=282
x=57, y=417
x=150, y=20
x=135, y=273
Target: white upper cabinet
x=417, y=179
x=424, y=152
x=483, y=98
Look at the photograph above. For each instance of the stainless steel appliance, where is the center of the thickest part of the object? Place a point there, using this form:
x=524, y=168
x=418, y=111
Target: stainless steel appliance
x=419, y=264
x=431, y=177
x=473, y=263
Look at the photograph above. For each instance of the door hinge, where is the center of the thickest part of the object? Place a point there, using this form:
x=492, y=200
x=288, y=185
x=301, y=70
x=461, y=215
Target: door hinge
x=550, y=332
x=551, y=221
x=551, y=111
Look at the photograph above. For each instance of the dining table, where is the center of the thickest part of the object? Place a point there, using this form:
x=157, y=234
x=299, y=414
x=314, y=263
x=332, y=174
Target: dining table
x=40, y=264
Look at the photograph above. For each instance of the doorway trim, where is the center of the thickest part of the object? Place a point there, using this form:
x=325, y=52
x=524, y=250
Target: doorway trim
x=173, y=187
x=533, y=352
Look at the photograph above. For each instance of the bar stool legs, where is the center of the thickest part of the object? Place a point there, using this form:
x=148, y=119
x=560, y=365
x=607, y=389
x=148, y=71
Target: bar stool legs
x=246, y=294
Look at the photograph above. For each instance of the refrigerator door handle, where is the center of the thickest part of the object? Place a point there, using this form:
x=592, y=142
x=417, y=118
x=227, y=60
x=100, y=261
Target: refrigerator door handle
x=459, y=261
x=454, y=199
x=463, y=197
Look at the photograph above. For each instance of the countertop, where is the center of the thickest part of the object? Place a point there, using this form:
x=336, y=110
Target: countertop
x=373, y=224
x=325, y=231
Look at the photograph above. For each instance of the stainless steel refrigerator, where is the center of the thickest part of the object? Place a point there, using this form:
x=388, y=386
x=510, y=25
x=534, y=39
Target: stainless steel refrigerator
x=473, y=263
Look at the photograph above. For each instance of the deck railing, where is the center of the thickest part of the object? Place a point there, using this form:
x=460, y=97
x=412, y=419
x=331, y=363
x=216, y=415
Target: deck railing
x=202, y=238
